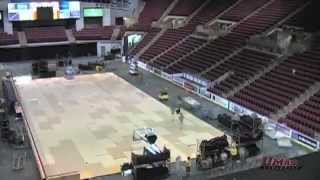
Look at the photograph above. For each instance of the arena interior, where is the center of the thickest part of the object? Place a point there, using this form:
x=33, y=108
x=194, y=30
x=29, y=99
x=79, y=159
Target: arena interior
x=159, y=89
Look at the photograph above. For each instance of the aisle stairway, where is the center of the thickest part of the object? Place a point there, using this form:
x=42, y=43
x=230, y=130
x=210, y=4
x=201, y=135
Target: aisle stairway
x=168, y=10
x=22, y=38
x=275, y=63
x=154, y=39
x=70, y=36
x=311, y=91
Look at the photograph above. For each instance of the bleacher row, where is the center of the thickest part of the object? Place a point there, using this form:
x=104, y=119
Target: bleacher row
x=242, y=10
x=305, y=118
x=214, y=58
x=281, y=84
x=6, y=39
x=147, y=38
x=217, y=50
x=243, y=66
x=57, y=34
x=187, y=46
x=305, y=19
x=171, y=36
x=185, y=8
x=43, y=34
x=94, y=33
x=152, y=11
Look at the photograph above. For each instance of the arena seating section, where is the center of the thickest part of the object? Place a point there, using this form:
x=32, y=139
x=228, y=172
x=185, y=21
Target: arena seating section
x=46, y=34
x=171, y=36
x=224, y=46
x=277, y=88
x=243, y=65
x=94, y=33
x=228, y=53
x=146, y=39
x=177, y=50
x=242, y=10
x=210, y=11
x=305, y=18
x=7, y=39
x=213, y=52
x=175, y=53
x=139, y=27
x=306, y=118
x=185, y=8
x=204, y=55
x=153, y=11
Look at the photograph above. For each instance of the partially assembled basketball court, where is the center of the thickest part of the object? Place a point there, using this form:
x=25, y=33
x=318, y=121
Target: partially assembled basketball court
x=83, y=127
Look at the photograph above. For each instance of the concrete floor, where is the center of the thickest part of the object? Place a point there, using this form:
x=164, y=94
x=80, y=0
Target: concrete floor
x=150, y=84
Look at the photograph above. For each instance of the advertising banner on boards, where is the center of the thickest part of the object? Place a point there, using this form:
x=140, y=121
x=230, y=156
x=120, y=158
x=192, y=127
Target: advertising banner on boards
x=195, y=79
x=190, y=86
x=236, y=108
x=205, y=93
x=304, y=139
x=283, y=129
x=221, y=101
x=157, y=71
x=166, y=76
x=142, y=65
x=178, y=80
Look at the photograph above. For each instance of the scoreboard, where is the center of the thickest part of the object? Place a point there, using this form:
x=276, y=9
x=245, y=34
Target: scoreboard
x=27, y=11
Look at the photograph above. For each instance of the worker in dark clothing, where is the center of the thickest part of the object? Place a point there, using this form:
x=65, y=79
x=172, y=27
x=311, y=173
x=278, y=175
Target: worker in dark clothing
x=178, y=110
x=188, y=166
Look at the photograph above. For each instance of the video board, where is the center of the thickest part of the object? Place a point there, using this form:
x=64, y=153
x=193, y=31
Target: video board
x=93, y=12
x=27, y=11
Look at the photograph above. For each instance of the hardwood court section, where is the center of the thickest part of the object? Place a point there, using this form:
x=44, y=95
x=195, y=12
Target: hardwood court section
x=84, y=127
